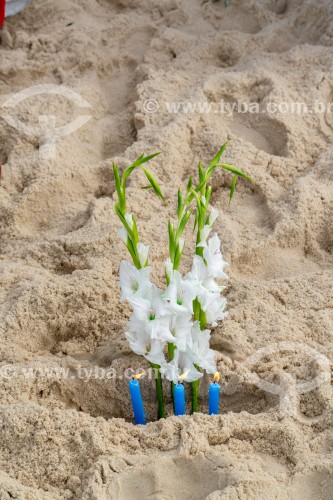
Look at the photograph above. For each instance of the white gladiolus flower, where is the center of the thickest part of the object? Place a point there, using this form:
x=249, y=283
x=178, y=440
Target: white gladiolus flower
x=181, y=327
x=142, y=344
x=143, y=253
x=180, y=294
x=201, y=354
x=199, y=274
x=213, y=258
x=133, y=281
x=204, y=233
x=181, y=363
x=213, y=216
x=216, y=310
x=150, y=315
x=206, y=287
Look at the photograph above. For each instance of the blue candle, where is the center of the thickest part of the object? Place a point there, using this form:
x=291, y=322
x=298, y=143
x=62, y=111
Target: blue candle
x=179, y=399
x=214, y=394
x=138, y=409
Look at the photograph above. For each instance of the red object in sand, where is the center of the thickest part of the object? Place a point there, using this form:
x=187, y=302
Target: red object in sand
x=2, y=11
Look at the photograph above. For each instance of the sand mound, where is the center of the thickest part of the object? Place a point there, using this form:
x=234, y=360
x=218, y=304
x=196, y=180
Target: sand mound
x=71, y=437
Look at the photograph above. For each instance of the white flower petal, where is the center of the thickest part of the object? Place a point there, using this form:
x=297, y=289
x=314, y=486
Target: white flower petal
x=143, y=345
x=181, y=363
x=180, y=326
x=202, y=355
x=215, y=311
x=213, y=258
x=180, y=294
x=150, y=315
x=133, y=281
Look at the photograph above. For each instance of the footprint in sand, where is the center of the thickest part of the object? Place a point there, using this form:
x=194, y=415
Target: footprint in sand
x=192, y=479
x=266, y=134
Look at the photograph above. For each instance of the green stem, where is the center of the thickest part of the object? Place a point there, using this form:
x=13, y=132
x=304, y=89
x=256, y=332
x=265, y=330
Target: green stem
x=199, y=315
x=195, y=392
x=203, y=319
x=159, y=391
x=171, y=350
x=195, y=395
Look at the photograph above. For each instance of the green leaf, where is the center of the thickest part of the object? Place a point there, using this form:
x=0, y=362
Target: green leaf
x=172, y=242
x=123, y=220
x=139, y=161
x=116, y=176
x=143, y=159
x=180, y=204
x=197, y=189
x=196, y=220
x=216, y=159
x=208, y=195
x=202, y=175
x=196, y=196
x=189, y=185
x=200, y=212
x=233, y=187
x=183, y=223
x=154, y=183
x=147, y=187
x=119, y=188
x=135, y=232
x=127, y=172
x=235, y=171
x=178, y=256
x=131, y=249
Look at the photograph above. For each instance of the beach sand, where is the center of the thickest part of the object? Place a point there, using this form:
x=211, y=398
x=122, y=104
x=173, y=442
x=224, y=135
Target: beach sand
x=68, y=437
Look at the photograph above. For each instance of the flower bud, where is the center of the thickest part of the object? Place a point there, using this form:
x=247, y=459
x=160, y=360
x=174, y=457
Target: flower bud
x=169, y=268
x=123, y=234
x=129, y=220
x=204, y=233
x=213, y=216
x=143, y=253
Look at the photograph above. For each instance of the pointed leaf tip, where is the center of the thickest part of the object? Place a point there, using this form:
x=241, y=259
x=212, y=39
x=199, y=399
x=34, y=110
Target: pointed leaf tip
x=233, y=187
x=235, y=171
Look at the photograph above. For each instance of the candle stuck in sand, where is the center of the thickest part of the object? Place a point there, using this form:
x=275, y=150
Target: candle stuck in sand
x=179, y=395
x=137, y=403
x=214, y=394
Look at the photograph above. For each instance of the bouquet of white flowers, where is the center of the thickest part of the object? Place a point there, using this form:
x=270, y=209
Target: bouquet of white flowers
x=168, y=327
